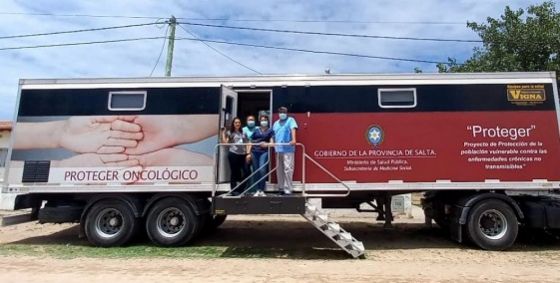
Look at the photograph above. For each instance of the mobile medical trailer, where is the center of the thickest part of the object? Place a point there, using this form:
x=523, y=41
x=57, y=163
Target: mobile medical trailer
x=120, y=155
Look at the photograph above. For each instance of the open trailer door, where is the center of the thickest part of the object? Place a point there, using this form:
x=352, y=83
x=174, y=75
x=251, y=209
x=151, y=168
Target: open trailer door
x=228, y=111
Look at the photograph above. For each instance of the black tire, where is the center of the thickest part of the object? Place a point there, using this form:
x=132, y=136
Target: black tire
x=110, y=223
x=172, y=222
x=492, y=225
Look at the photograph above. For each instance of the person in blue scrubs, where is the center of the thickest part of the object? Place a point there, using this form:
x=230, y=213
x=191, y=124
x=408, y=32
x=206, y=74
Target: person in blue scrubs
x=250, y=127
x=285, y=135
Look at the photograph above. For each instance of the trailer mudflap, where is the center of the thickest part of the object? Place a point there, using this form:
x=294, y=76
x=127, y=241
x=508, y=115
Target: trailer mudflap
x=455, y=225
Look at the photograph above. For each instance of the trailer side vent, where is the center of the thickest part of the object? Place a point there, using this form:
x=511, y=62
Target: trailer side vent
x=397, y=98
x=36, y=171
x=127, y=100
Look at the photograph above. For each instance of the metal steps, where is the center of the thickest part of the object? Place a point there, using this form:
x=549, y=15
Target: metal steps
x=333, y=231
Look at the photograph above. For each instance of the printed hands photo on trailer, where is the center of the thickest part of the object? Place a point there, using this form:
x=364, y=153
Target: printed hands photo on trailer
x=162, y=133
x=98, y=141
x=171, y=130
x=122, y=141
x=110, y=134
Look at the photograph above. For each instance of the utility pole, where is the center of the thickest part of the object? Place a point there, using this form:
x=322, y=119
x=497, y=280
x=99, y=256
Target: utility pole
x=170, y=46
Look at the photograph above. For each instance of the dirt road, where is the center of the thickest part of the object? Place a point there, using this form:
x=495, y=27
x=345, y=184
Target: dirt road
x=285, y=249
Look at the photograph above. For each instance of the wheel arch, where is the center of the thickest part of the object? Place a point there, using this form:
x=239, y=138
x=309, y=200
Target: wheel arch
x=466, y=203
x=131, y=201
x=197, y=203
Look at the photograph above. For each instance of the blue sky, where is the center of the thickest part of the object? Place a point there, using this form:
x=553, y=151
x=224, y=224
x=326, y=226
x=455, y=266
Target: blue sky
x=136, y=59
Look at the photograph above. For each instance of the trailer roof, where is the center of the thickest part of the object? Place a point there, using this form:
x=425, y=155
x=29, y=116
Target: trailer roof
x=280, y=80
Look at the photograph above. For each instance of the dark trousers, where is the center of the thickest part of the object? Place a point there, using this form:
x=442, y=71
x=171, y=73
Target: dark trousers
x=238, y=171
x=260, y=158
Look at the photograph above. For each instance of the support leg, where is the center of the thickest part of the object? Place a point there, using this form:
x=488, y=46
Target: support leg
x=388, y=211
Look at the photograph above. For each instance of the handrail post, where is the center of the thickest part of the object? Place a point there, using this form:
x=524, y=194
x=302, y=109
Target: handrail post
x=303, y=172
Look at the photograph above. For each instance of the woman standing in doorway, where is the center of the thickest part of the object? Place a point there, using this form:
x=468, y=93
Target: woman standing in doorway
x=260, y=140
x=238, y=154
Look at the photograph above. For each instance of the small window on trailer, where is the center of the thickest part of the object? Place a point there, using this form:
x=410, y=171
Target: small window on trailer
x=127, y=100
x=397, y=97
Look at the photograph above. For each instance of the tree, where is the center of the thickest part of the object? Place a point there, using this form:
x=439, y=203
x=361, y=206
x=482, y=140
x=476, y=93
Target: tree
x=515, y=42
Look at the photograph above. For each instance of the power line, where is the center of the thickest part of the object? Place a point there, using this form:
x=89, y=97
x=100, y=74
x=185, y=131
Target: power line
x=230, y=43
x=76, y=31
x=160, y=51
x=245, y=20
x=220, y=52
x=319, y=52
x=334, y=34
x=78, y=15
x=79, y=43
x=328, y=21
x=246, y=28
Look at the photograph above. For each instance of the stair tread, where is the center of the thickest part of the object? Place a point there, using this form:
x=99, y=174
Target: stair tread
x=334, y=231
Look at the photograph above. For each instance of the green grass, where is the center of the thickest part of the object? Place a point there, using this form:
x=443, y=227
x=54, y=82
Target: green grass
x=72, y=251
x=145, y=251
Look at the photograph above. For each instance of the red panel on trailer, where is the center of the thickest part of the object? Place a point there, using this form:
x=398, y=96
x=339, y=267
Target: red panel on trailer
x=428, y=146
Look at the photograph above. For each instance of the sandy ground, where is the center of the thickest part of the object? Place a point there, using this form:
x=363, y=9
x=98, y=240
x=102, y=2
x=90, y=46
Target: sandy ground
x=410, y=251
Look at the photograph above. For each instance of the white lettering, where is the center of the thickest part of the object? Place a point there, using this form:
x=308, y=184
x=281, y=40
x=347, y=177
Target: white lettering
x=500, y=132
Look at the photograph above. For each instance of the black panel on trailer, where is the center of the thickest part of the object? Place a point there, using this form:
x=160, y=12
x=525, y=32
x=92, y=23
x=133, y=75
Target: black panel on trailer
x=431, y=98
x=71, y=102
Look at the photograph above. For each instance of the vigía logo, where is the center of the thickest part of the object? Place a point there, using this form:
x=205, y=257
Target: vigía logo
x=375, y=135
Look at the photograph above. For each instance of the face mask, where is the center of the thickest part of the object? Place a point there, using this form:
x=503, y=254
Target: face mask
x=283, y=116
x=264, y=123
x=250, y=124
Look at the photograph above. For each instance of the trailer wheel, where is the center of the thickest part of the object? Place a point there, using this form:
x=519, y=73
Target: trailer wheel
x=492, y=225
x=171, y=222
x=110, y=223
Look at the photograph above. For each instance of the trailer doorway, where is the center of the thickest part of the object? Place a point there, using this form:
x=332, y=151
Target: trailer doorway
x=239, y=103
x=256, y=102
x=251, y=102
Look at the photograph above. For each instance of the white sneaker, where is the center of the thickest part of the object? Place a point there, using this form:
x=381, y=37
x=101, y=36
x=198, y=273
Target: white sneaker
x=262, y=194
x=257, y=194
x=287, y=192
